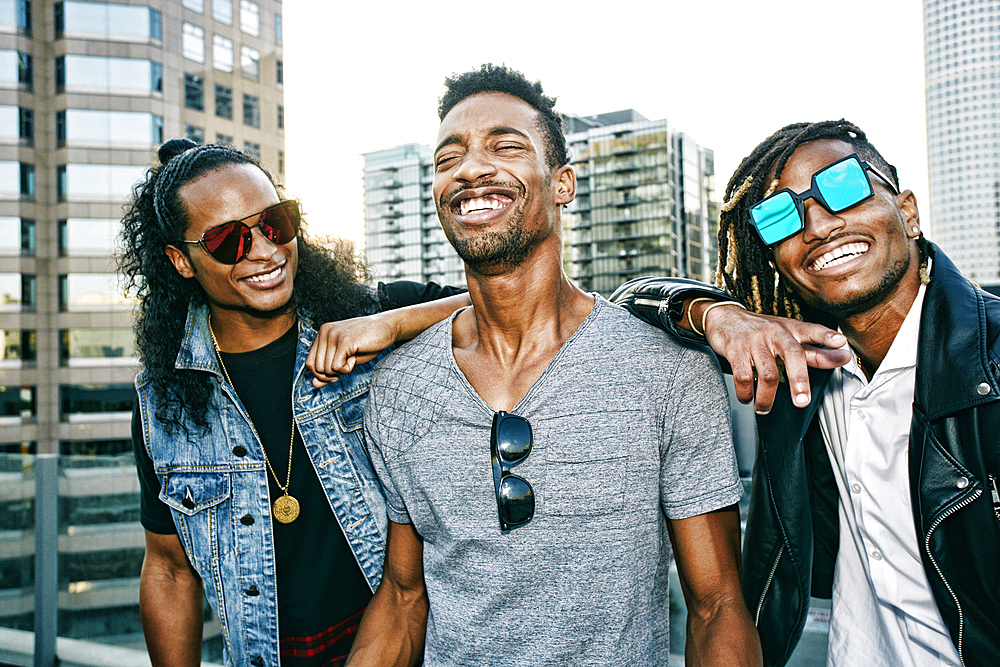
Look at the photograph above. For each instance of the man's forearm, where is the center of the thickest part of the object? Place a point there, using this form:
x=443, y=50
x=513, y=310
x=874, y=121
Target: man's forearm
x=392, y=630
x=410, y=321
x=171, y=609
x=724, y=634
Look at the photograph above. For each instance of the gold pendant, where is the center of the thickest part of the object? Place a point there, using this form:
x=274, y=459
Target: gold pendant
x=286, y=509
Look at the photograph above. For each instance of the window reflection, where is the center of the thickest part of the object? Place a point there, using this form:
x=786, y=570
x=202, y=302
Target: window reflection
x=92, y=292
x=97, y=347
x=83, y=402
x=95, y=237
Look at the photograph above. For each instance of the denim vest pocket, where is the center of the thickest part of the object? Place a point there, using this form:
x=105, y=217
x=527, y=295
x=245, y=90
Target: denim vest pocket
x=194, y=498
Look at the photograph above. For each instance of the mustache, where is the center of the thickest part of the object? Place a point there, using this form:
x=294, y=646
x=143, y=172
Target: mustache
x=444, y=202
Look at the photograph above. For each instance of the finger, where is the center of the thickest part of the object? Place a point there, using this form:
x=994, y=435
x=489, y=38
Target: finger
x=826, y=358
x=816, y=334
x=321, y=364
x=767, y=380
x=319, y=382
x=796, y=371
x=743, y=379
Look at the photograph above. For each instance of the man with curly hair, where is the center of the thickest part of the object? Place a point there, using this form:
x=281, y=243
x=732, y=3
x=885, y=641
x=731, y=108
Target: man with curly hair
x=544, y=453
x=882, y=491
x=256, y=489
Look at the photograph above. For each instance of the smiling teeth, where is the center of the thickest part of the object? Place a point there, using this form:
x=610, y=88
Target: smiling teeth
x=263, y=278
x=490, y=202
x=844, y=253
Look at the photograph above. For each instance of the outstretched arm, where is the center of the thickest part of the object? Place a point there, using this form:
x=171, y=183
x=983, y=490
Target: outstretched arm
x=719, y=628
x=753, y=345
x=392, y=630
x=340, y=346
x=170, y=604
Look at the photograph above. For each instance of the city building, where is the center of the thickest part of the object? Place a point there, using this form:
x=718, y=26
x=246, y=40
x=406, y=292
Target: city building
x=962, y=61
x=644, y=202
x=88, y=91
x=403, y=238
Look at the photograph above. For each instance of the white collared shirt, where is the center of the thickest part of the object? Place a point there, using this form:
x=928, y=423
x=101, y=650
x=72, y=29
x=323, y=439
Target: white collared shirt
x=883, y=612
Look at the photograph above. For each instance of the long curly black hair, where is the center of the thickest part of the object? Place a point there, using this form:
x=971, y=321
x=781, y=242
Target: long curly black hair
x=329, y=284
x=745, y=268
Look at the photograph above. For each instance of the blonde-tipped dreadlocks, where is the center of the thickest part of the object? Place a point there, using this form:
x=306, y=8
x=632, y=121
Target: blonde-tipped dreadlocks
x=744, y=267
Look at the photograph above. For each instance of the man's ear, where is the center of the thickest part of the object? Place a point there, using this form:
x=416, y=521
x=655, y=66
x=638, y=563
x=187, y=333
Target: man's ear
x=564, y=184
x=180, y=261
x=907, y=202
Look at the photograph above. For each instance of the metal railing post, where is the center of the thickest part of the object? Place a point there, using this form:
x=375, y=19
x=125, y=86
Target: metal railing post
x=46, y=558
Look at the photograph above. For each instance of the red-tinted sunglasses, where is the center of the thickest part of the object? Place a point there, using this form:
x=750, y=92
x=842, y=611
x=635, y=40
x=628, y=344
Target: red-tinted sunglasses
x=230, y=242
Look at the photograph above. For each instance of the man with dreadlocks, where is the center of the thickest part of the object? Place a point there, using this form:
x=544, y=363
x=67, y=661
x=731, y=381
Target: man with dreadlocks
x=255, y=486
x=882, y=493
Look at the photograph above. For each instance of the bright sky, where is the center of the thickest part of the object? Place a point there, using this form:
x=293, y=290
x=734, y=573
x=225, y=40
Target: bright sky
x=363, y=76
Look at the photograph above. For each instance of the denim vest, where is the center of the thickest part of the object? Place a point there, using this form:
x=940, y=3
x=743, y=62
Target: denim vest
x=212, y=481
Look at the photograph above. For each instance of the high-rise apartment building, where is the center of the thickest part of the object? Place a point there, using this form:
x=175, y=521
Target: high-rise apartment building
x=88, y=91
x=962, y=52
x=403, y=238
x=644, y=202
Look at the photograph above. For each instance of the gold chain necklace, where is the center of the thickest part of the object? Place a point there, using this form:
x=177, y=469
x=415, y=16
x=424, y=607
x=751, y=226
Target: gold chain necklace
x=286, y=507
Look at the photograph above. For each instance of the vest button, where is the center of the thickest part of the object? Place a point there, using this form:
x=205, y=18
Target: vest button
x=246, y=520
x=257, y=662
x=983, y=388
x=188, y=503
x=252, y=591
x=239, y=450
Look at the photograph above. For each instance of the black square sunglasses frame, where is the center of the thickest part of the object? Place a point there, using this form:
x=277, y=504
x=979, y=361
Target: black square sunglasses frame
x=814, y=193
x=522, y=498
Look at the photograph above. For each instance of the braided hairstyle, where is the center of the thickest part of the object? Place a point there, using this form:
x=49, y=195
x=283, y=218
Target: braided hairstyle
x=745, y=268
x=327, y=286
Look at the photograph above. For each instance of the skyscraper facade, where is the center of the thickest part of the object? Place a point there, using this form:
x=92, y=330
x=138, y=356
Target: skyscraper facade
x=644, y=202
x=403, y=238
x=88, y=91
x=962, y=61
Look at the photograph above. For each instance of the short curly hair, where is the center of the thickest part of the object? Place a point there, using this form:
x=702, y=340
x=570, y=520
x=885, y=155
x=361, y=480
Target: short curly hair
x=492, y=78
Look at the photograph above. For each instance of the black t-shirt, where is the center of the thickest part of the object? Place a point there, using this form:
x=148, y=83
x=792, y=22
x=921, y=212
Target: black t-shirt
x=321, y=589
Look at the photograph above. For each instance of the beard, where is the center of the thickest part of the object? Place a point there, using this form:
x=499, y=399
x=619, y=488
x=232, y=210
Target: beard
x=862, y=302
x=496, y=251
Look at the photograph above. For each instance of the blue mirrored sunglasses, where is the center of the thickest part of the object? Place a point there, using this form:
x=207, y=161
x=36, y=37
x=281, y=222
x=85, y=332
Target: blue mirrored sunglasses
x=836, y=187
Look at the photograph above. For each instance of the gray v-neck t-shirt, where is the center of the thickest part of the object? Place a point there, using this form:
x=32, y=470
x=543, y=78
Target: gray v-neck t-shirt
x=629, y=427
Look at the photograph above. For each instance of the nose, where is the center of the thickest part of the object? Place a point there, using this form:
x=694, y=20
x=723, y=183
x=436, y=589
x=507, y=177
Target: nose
x=819, y=223
x=260, y=247
x=475, y=166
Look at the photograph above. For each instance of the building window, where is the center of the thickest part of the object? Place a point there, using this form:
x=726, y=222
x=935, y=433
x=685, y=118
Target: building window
x=251, y=110
x=18, y=346
x=58, y=19
x=96, y=347
x=25, y=71
x=92, y=292
x=85, y=402
x=279, y=70
x=281, y=117
x=60, y=74
x=195, y=134
x=277, y=28
x=194, y=92
x=157, y=128
x=26, y=126
x=250, y=62
x=224, y=102
x=97, y=127
x=28, y=237
x=195, y=5
x=60, y=129
x=87, y=237
x=222, y=53
x=17, y=237
x=61, y=182
x=155, y=25
x=24, y=17
x=224, y=139
x=193, y=43
x=99, y=182
x=17, y=404
x=281, y=162
x=250, y=18
x=17, y=291
x=27, y=181
x=156, y=77
x=90, y=20
x=222, y=11
x=250, y=148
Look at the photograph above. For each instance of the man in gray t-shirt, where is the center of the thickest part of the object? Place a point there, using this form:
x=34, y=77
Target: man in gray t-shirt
x=542, y=450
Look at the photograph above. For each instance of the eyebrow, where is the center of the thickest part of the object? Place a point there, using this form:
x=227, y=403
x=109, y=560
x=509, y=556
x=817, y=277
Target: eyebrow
x=496, y=131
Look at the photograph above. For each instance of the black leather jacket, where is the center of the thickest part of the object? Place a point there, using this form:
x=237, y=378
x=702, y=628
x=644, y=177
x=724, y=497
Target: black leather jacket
x=791, y=539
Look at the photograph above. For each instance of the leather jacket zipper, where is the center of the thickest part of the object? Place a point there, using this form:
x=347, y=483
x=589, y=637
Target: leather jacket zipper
x=927, y=546
x=996, y=495
x=767, y=585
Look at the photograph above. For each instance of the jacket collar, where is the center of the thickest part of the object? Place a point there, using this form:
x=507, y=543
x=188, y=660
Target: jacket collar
x=197, y=351
x=952, y=358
